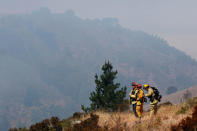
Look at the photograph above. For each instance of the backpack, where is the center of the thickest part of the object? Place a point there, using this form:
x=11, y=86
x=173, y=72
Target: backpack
x=157, y=94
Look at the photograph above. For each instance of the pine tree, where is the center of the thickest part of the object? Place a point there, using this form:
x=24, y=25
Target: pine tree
x=107, y=93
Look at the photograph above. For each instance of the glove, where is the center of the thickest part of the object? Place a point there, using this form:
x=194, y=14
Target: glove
x=145, y=99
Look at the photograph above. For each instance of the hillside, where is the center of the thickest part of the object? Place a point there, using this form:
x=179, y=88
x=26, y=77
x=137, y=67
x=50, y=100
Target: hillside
x=168, y=118
x=179, y=96
x=48, y=63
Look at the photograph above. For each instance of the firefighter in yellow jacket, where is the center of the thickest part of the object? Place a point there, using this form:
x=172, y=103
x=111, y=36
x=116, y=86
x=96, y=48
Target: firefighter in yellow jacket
x=132, y=96
x=140, y=101
x=153, y=102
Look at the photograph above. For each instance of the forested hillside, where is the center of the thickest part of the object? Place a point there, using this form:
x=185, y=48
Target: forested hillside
x=48, y=62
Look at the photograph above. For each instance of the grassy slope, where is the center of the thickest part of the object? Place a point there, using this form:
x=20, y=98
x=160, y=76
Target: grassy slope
x=167, y=116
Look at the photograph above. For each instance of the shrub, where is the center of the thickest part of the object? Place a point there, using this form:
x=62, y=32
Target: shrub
x=45, y=125
x=191, y=102
x=187, y=124
x=89, y=124
x=182, y=110
x=12, y=129
x=77, y=115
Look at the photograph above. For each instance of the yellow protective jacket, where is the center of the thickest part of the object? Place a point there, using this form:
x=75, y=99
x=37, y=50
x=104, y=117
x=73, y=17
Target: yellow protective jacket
x=140, y=97
x=151, y=94
x=133, y=96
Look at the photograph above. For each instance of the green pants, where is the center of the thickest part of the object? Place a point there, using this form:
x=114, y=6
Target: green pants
x=153, y=109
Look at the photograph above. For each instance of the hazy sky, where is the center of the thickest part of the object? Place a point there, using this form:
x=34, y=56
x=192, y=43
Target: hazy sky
x=173, y=20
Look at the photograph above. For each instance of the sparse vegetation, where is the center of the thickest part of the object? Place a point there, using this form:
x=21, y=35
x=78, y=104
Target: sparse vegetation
x=88, y=124
x=191, y=102
x=182, y=110
x=53, y=124
x=188, y=104
x=165, y=120
x=188, y=123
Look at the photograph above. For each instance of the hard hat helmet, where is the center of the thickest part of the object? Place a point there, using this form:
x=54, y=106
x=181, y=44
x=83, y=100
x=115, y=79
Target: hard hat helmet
x=146, y=86
x=139, y=86
x=134, y=84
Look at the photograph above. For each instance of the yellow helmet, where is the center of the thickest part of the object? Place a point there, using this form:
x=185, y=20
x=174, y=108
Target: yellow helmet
x=146, y=86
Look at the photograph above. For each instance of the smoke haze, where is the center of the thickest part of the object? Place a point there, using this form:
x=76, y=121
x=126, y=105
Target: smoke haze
x=174, y=20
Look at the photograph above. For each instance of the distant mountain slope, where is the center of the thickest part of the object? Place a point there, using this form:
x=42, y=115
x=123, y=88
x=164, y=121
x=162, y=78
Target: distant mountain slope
x=178, y=97
x=48, y=62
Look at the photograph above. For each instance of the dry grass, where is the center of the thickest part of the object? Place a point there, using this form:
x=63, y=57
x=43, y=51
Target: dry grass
x=165, y=118
x=188, y=123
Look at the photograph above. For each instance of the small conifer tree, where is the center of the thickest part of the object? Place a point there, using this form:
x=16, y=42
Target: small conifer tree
x=107, y=93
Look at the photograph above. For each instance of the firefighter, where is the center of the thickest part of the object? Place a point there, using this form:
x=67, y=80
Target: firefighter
x=140, y=101
x=132, y=96
x=153, y=95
